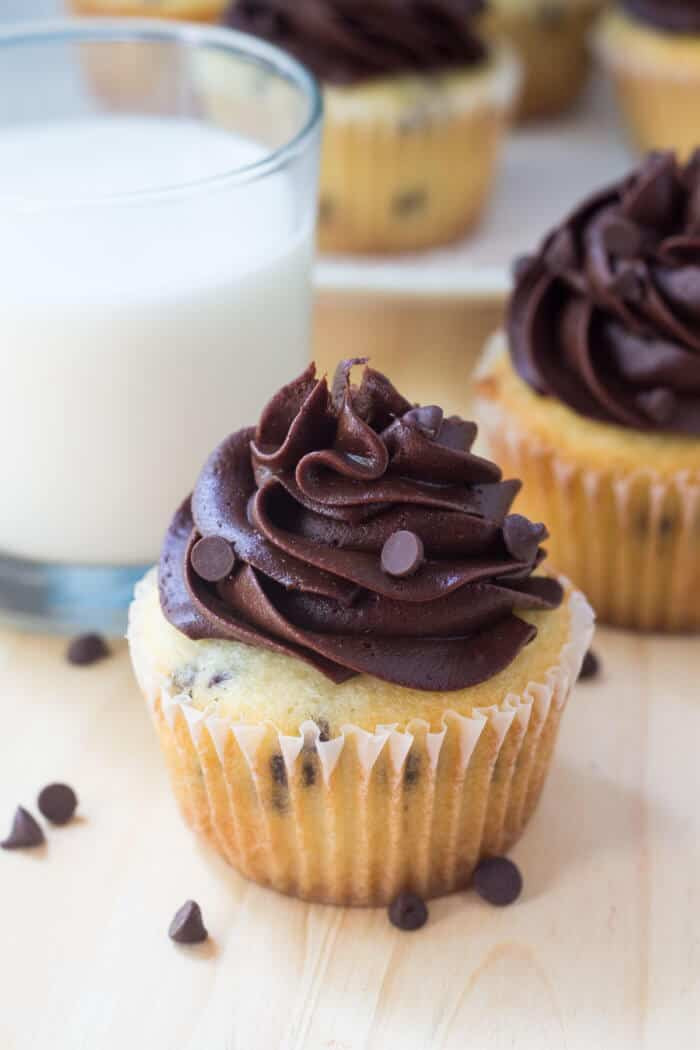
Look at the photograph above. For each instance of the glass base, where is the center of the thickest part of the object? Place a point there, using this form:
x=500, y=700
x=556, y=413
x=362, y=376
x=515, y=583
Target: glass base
x=66, y=599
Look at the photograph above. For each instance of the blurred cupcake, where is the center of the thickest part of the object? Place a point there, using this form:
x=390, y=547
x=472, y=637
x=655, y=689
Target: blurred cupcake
x=355, y=667
x=594, y=398
x=416, y=107
x=652, y=50
x=550, y=37
x=185, y=10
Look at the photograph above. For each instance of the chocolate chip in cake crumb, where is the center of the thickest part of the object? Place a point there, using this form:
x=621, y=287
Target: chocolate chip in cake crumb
x=590, y=668
x=187, y=926
x=183, y=678
x=402, y=554
x=58, y=803
x=212, y=558
x=409, y=202
x=278, y=769
x=666, y=525
x=25, y=833
x=87, y=649
x=411, y=771
x=408, y=911
x=498, y=881
x=324, y=730
x=308, y=774
x=218, y=679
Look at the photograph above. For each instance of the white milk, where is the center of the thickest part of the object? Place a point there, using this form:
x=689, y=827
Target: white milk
x=133, y=335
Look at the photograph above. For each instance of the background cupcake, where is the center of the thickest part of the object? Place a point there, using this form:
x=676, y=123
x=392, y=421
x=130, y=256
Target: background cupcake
x=550, y=37
x=356, y=670
x=416, y=107
x=652, y=50
x=597, y=405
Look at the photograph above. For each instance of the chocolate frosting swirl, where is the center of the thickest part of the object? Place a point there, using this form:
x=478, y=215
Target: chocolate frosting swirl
x=345, y=41
x=676, y=16
x=308, y=500
x=606, y=317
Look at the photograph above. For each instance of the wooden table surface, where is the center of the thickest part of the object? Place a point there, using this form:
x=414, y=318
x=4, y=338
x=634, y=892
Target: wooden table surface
x=602, y=951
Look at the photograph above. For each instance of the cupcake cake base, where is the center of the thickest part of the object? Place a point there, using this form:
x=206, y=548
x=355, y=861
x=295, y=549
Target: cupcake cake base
x=349, y=794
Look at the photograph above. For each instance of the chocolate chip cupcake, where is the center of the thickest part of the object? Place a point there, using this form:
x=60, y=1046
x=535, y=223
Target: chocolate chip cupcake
x=355, y=664
x=551, y=39
x=416, y=106
x=652, y=50
x=594, y=396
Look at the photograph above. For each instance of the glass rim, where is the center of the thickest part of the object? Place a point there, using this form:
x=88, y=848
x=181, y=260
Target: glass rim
x=192, y=35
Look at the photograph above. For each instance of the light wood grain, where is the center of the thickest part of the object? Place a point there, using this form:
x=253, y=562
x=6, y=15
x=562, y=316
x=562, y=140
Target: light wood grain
x=602, y=951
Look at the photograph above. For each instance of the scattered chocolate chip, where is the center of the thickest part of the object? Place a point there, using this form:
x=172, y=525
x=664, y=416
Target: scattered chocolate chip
x=523, y=537
x=183, y=679
x=324, y=730
x=187, y=926
x=408, y=911
x=24, y=833
x=57, y=802
x=87, y=649
x=498, y=881
x=458, y=434
x=659, y=405
x=409, y=202
x=212, y=558
x=427, y=417
x=402, y=554
x=590, y=667
x=278, y=768
x=560, y=254
x=622, y=238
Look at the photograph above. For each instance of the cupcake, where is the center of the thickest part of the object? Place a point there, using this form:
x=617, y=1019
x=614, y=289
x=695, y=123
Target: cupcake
x=652, y=50
x=416, y=107
x=356, y=667
x=186, y=10
x=550, y=37
x=593, y=397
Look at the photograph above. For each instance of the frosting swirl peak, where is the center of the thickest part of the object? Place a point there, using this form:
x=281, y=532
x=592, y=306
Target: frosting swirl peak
x=343, y=41
x=366, y=536
x=606, y=316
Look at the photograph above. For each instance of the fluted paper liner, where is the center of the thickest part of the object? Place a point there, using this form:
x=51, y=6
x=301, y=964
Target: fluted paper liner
x=357, y=818
x=632, y=540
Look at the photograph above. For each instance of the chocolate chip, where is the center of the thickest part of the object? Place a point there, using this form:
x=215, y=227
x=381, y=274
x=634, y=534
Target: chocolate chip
x=659, y=405
x=57, y=802
x=402, y=554
x=590, y=668
x=278, y=769
x=324, y=730
x=523, y=537
x=212, y=558
x=87, y=649
x=560, y=254
x=622, y=238
x=408, y=911
x=411, y=771
x=218, y=679
x=427, y=417
x=409, y=202
x=24, y=833
x=498, y=881
x=308, y=774
x=187, y=926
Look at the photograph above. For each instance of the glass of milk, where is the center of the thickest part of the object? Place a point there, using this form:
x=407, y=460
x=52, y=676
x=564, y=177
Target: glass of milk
x=157, y=207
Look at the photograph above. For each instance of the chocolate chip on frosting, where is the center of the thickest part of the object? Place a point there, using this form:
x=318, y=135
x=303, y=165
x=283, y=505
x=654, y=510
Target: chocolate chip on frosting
x=24, y=833
x=402, y=554
x=498, y=881
x=408, y=911
x=523, y=537
x=212, y=558
x=57, y=802
x=187, y=926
